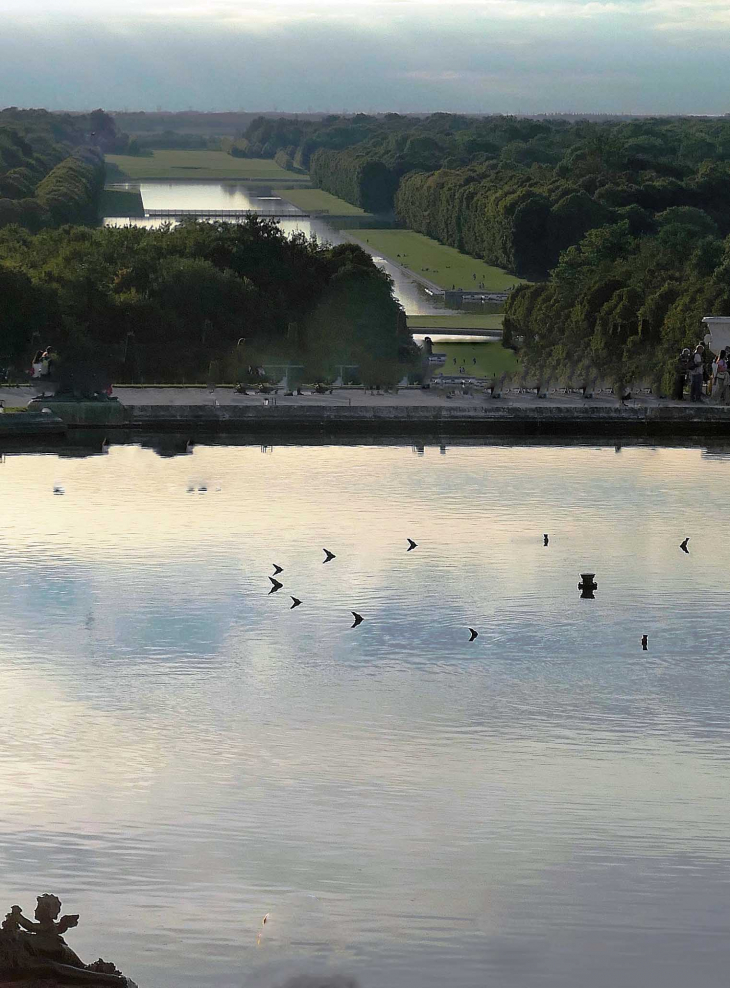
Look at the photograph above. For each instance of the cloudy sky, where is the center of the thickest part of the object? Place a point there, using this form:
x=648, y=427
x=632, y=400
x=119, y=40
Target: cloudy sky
x=648, y=56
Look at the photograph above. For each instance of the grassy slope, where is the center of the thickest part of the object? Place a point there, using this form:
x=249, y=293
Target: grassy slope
x=446, y=266
x=315, y=200
x=465, y=320
x=202, y=164
x=120, y=202
x=491, y=358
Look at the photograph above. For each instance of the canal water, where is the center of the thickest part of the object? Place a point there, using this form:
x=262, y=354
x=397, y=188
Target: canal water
x=181, y=194
x=182, y=754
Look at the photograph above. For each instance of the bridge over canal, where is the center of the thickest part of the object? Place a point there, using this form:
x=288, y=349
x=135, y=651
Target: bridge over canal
x=224, y=214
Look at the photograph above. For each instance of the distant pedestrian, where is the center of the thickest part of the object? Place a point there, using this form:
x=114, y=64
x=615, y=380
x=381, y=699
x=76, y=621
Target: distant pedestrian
x=681, y=371
x=697, y=368
x=720, y=383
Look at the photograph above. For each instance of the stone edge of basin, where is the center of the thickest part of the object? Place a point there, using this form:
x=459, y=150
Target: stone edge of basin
x=31, y=424
x=477, y=418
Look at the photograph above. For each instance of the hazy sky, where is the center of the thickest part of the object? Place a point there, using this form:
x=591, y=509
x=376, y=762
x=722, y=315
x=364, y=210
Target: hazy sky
x=465, y=55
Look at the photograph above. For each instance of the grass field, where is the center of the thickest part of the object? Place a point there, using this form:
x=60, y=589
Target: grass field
x=315, y=200
x=445, y=266
x=478, y=359
x=120, y=202
x=200, y=164
x=465, y=320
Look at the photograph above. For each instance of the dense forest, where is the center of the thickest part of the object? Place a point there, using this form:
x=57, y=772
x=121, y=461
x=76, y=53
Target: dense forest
x=514, y=191
x=620, y=306
x=51, y=166
x=188, y=294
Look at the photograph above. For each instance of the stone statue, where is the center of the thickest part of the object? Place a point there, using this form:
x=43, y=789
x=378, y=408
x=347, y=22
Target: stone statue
x=29, y=950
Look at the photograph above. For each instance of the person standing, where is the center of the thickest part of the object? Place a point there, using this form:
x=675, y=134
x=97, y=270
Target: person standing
x=696, y=373
x=680, y=374
x=720, y=384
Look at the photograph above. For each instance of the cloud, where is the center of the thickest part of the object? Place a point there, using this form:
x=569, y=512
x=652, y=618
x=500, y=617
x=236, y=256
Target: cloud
x=477, y=56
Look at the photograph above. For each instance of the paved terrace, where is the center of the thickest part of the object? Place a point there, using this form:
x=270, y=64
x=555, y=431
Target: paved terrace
x=411, y=397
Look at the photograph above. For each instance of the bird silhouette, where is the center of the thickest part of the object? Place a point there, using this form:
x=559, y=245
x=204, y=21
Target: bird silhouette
x=105, y=445
x=296, y=603
x=189, y=446
x=329, y=555
x=545, y=540
x=358, y=619
x=473, y=634
x=275, y=585
x=683, y=545
x=277, y=569
x=58, y=490
x=645, y=642
x=411, y=545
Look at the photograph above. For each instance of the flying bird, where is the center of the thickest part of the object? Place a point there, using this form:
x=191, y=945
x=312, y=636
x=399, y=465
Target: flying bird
x=277, y=569
x=275, y=585
x=358, y=619
x=545, y=540
x=411, y=545
x=58, y=490
x=473, y=634
x=296, y=603
x=645, y=642
x=683, y=545
x=329, y=555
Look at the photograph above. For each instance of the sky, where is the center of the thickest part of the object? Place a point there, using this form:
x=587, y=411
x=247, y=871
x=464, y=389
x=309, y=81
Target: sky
x=473, y=56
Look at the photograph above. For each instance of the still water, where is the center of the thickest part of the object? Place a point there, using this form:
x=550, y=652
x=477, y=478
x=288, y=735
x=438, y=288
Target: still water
x=181, y=753
x=183, y=194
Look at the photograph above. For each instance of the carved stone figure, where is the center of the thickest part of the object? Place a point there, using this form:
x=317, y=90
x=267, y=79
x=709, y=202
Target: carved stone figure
x=31, y=950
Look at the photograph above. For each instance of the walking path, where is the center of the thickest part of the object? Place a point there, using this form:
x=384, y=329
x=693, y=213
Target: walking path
x=429, y=285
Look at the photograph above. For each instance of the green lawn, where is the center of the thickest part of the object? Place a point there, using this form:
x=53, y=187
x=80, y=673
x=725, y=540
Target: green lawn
x=120, y=202
x=491, y=358
x=465, y=320
x=201, y=164
x=315, y=200
x=445, y=266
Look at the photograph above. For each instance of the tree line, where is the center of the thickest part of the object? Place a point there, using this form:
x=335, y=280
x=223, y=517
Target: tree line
x=51, y=166
x=513, y=191
x=161, y=304
x=620, y=306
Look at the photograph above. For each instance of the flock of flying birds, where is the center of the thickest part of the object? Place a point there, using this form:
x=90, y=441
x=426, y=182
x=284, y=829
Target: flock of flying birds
x=277, y=585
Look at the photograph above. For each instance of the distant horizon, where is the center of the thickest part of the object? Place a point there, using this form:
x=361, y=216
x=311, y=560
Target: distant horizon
x=351, y=113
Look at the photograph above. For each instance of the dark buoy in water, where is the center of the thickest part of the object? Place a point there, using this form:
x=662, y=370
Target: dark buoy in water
x=587, y=586
x=645, y=642
x=545, y=540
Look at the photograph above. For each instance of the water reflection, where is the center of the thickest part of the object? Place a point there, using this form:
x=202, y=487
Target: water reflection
x=181, y=754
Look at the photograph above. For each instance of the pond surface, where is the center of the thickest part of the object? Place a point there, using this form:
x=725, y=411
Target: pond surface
x=181, y=753
x=183, y=194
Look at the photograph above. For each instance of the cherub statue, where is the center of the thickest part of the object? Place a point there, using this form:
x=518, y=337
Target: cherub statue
x=48, y=940
x=29, y=950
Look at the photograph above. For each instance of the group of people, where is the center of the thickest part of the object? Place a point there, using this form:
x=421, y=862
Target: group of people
x=694, y=368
